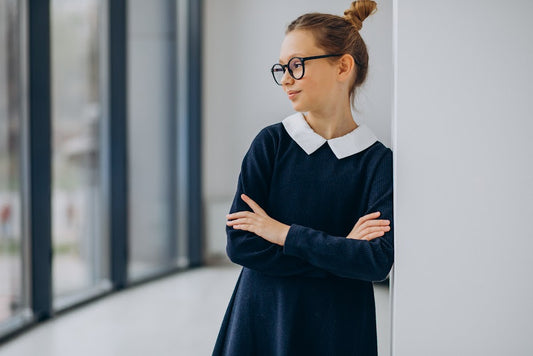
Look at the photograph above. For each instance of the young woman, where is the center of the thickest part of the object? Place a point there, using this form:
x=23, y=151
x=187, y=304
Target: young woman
x=306, y=283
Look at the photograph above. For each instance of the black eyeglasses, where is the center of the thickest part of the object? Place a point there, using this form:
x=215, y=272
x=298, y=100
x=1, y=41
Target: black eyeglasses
x=295, y=66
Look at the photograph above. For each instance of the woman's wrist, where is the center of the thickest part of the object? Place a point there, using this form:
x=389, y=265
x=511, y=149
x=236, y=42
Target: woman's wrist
x=284, y=231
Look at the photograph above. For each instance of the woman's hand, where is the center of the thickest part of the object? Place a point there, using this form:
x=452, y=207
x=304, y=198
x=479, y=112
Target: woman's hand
x=368, y=227
x=258, y=222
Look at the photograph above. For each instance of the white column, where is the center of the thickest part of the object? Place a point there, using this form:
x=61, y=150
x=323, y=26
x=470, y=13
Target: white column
x=463, y=148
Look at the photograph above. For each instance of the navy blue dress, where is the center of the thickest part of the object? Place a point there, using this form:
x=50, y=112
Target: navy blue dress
x=313, y=296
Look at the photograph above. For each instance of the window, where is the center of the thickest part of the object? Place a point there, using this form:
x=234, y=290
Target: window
x=151, y=143
x=14, y=294
x=101, y=194
x=80, y=241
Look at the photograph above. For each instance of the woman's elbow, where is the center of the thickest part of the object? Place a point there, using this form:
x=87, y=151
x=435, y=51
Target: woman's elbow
x=382, y=272
x=233, y=253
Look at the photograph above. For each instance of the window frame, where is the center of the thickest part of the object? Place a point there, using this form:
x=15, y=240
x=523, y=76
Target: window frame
x=36, y=155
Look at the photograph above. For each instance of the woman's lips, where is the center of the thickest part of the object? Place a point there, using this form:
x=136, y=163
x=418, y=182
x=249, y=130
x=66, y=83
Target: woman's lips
x=292, y=94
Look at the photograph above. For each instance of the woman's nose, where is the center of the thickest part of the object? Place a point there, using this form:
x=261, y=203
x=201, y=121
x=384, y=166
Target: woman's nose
x=287, y=78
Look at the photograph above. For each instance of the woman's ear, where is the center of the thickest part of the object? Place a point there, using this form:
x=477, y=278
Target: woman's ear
x=346, y=67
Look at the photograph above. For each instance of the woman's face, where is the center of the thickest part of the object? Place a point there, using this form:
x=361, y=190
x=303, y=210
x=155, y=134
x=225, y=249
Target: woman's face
x=318, y=88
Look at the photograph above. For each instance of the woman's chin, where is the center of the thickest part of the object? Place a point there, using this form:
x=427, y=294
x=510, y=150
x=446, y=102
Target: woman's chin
x=297, y=106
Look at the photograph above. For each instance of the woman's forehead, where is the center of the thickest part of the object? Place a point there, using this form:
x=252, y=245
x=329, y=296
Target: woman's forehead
x=298, y=43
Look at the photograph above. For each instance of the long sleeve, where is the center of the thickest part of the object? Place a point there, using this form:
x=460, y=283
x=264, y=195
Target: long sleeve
x=359, y=259
x=315, y=289
x=246, y=248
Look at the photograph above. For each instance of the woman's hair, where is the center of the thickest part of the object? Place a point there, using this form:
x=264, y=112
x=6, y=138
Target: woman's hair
x=336, y=34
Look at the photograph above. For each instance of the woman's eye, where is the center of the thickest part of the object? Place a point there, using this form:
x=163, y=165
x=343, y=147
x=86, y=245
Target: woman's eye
x=296, y=65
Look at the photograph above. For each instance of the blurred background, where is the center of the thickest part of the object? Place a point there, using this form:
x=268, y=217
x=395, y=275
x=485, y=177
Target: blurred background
x=195, y=90
x=123, y=124
x=122, y=128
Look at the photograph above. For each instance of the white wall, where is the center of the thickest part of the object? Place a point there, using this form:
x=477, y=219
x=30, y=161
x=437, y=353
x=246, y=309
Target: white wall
x=242, y=40
x=464, y=178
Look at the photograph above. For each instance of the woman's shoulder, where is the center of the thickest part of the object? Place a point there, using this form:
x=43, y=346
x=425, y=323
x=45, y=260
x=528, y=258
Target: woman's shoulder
x=269, y=136
x=378, y=158
x=379, y=148
x=273, y=130
x=266, y=142
x=378, y=152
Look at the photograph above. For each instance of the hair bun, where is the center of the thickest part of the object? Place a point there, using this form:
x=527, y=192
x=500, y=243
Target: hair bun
x=359, y=11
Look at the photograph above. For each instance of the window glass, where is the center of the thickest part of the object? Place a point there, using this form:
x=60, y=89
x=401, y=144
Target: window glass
x=151, y=100
x=13, y=277
x=78, y=76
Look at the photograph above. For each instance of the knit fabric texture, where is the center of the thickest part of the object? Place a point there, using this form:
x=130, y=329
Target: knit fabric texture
x=314, y=295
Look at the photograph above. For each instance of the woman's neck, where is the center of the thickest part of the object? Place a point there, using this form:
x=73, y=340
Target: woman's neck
x=332, y=123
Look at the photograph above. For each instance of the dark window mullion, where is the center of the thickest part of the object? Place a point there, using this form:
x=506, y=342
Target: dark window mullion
x=118, y=167
x=194, y=62
x=40, y=157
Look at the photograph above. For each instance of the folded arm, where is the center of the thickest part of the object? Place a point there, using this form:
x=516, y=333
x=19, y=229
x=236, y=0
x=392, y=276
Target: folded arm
x=259, y=242
x=246, y=248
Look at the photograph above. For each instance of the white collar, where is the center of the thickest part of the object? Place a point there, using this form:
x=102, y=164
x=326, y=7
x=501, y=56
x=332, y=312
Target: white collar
x=353, y=142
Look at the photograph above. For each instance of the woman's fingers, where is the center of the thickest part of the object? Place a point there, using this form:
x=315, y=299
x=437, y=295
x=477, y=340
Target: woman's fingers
x=370, y=223
x=248, y=224
x=244, y=227
x=258, y=222
x=371, y=230
x=363, y=224
x=238, y=221
x=239, y=214
x=369, y=227
x=364, y=218
x=370, y=216
x=373, y=235
x=368, y=237
x=369, y=234
x=252, y=204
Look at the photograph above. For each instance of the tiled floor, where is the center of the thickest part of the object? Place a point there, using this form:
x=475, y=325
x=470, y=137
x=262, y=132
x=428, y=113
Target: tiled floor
x=178, y=315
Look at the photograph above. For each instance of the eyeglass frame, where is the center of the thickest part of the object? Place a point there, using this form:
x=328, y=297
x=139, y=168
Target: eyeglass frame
x=286, y=67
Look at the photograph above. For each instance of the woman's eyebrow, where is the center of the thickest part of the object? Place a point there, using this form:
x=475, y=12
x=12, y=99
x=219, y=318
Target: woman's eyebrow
x=280, y=61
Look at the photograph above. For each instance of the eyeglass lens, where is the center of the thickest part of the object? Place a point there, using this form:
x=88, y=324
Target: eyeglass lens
x=295, y=67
